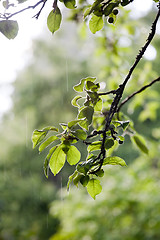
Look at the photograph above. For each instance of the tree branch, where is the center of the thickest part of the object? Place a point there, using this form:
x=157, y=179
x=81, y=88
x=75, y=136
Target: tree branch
x=135, y=93
x=8, y=15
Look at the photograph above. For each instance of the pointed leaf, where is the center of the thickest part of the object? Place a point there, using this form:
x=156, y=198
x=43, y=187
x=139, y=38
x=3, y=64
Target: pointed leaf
x=94, y=187
x=57, y=160
x=54, y=20
x=73, y=123
x=84, y=180
x=47, y=143
x=114, y=161
x=9, y=28
x=73, y=155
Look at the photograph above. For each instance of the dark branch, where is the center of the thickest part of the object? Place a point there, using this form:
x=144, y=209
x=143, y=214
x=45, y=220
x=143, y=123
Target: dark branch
x=135, y=93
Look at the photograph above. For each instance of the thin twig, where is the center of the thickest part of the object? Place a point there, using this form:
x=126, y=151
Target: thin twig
x=135, y=93
x=7, y=16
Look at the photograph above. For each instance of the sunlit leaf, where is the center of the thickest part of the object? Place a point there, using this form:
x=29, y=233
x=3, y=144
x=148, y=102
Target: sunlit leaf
x=47, y=143
x=79, y=87
x=54, y=20
x=57, y=160
x=96, y=23
x=114, y=161
x=73, y=155
x=38, y=136
x=77, y=179
x=73, y=123
x=98, y=106
x=46, y=161
x=83, y=167
x=74, y=101
x=9, y=28
x=94, y=187
x=94, y=146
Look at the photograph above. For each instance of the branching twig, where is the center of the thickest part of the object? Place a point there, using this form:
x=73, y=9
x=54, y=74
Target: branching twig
x=135, y=93
x=120, y=90
x=8, y=16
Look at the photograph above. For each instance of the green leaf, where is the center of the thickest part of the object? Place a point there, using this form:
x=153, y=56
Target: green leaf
x=46, y=161
x=94, y=146
x=73, y=155
x=47, y=143
x=81, y=134
x=70, y=3
x=96, y=23
x=124, y=124
x=73, y=123
x=114, y=161
x=9, y=28
x=94, y=187
x=77, y=179
x=92, y=86
x=57, y=160
x=64, y=126
x=79, y=87
x=140, y=143
x=86, y=112
x=100, y=173
x=74, y=101
x=70, y=179
x=54, y=20
x=84, y=180
x=98, y=106
x=38, y=136
x=109, y=143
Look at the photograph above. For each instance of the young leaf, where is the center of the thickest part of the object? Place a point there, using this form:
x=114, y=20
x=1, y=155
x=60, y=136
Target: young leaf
x=94, y=187
x=54, y=20
x=57, y=160
x=83, y=167
x=98, y=106
x=74, y=101
x=77, y=179
x=73, y=155
x=86, y=112
x=96, y=23
x=140, y=143
x=46, y=161
x=114, y=161
x=38, y=136
x=47, y=143
x=79, y=87
x=9, y=28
